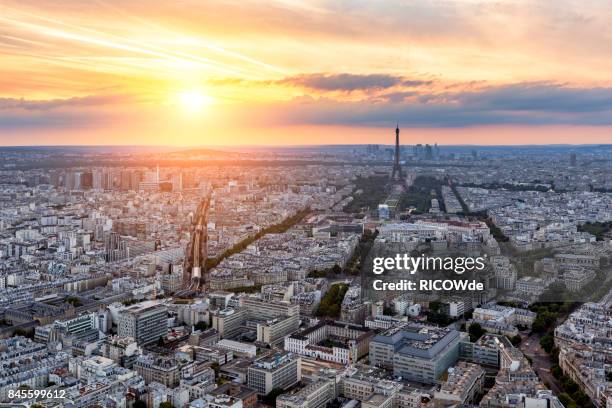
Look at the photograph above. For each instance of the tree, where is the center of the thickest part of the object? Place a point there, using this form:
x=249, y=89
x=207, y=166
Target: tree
x=215, y=367
x=139, y=404
x=435, y=306
x=581, y=398
x=270, y=398
x=388, y=310
x=331, y=302
x=516, y=340
x=166, y=404
x=566, y=400
x=568, y=385
x=336, y=269
x=476, y=331
x=23, y=332
x=74, y=301
x=201, y=326
x=547, y=342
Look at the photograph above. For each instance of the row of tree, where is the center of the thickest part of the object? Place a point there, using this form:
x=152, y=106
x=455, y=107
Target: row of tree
x=332, y=301
x=547, y=316
x=274, y=229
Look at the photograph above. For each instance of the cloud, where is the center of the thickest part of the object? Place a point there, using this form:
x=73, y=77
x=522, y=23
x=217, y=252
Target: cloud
x=526, y=104
x=513, y=104
x=91, y=110
x=51, y=104
x=350, y=82
x=541, y=97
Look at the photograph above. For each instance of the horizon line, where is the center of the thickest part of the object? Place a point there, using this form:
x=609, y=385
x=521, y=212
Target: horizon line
x=293, y=145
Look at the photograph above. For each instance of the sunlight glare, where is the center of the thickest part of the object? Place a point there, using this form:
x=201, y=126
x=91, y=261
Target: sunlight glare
x=194, y=100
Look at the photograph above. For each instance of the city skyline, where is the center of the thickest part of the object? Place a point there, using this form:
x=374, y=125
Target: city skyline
x=304, y=72
x=408, y=276
x=305, y=204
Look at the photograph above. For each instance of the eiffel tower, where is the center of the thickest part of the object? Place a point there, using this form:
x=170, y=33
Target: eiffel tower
x=397, y=173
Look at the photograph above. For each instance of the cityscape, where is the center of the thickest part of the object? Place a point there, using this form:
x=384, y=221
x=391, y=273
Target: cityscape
x=165, y=279
x=305, y=204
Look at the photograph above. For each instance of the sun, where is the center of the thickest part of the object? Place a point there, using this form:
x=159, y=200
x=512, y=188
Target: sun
x=194, y=100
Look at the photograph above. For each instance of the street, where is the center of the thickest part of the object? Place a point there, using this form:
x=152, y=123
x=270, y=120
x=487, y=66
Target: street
x=540, y=361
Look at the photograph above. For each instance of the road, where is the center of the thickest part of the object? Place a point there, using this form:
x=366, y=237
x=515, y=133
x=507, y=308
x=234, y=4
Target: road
x=540, y=361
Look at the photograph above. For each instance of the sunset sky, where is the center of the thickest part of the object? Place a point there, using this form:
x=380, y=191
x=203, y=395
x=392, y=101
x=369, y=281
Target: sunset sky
x=285, y=72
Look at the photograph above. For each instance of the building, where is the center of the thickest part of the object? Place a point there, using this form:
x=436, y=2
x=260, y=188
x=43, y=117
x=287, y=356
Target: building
x=275, y=370
x=505, y=314
x=331, y=341
x=238, y=348
x=273, y=320
x=274, y=330
x=585, y=349
x=505, y=272
x=416, y=352
x=530, y=286
x=216, y=401
x=464, y=383
x=213, y=354
x=240, y=392
x=486, y=350
x=158, y=369
x=269, y=310
x=371, y=386
x=172, y=282
x=122, y=350
x=26, y=363
x=383, y=322
x=228, y=322
x=146, y=323
x=502, y=319
x=315, y=395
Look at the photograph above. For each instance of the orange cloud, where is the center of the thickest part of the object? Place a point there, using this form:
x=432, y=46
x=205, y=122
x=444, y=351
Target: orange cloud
x=106, y=67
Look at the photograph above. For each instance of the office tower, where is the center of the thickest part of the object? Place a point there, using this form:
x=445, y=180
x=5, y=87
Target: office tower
x=126, y=180
x=146, y=323
x=69, y=180
x=96, y=179
x=428, y=152
x=418, y=151
x=135, y=179
x=269, y=310
x=275, y=370
x=416, y=352
x=86, y=180
x=229, y=322
x=177, y=182
x=114, y=247
x=372, y=149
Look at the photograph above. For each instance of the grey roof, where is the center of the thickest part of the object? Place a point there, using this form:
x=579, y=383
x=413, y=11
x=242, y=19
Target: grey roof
x=418, y=341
